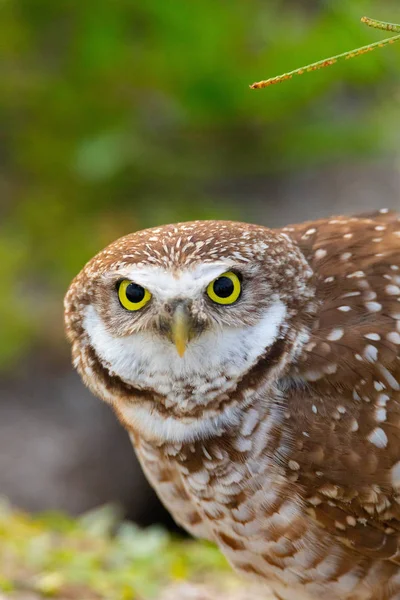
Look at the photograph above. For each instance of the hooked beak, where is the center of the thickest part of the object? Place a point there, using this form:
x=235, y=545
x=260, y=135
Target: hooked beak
x=180, y=328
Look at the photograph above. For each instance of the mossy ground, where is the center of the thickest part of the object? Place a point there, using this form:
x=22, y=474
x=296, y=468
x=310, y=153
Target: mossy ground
x=97, y=556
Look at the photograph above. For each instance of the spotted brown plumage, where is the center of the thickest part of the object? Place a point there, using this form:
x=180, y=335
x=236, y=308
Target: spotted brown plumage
x=275, y=432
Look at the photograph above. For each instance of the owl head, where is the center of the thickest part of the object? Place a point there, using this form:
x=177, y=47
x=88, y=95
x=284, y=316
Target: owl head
x=171, y=325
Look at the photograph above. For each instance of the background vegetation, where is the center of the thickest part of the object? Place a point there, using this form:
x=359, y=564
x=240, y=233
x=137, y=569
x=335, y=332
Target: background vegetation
x=119, y=115
x=99, y=558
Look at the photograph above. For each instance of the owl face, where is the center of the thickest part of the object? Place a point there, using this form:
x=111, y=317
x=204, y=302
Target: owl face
x=181, y=315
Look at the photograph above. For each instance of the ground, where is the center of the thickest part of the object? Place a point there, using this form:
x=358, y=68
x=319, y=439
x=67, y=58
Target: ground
x=99, y=557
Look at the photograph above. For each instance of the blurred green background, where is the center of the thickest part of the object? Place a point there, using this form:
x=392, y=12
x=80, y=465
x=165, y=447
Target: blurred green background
x=118, y=115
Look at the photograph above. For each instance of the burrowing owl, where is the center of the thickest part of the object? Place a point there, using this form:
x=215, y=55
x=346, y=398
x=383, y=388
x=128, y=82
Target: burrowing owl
x=257, y=372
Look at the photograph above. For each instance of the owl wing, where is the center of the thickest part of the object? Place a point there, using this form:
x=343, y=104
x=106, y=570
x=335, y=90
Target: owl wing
x=346, y=416
x=168, y=484
x=349, y=466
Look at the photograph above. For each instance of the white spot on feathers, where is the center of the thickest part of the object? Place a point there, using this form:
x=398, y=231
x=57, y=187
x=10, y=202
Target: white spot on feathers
x=378, y=437
x=335, y=334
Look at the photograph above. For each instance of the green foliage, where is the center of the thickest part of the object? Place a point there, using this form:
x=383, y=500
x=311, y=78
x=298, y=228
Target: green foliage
x=118, y=115
x=97, y=557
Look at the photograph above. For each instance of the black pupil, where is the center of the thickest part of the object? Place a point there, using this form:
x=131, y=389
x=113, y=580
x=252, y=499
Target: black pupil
x=223, y=287
x=134, y=293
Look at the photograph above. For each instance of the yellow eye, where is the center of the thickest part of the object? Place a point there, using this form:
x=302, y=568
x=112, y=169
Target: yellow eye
x=132, y=296
x=225, y=289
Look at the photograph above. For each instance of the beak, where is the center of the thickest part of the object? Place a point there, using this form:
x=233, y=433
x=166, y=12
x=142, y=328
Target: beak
x=180, y=328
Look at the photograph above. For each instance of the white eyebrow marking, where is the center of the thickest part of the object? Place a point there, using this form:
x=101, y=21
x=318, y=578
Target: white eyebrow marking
x=187, y=283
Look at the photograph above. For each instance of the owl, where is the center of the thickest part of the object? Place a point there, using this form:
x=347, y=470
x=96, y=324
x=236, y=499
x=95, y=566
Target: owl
x=257, y=373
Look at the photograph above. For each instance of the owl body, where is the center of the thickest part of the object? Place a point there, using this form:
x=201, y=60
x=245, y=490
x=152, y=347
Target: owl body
x=269, y=424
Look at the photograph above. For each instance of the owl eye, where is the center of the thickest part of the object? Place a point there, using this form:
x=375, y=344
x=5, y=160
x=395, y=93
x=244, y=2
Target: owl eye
x=225, y=289
x=132, y=296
